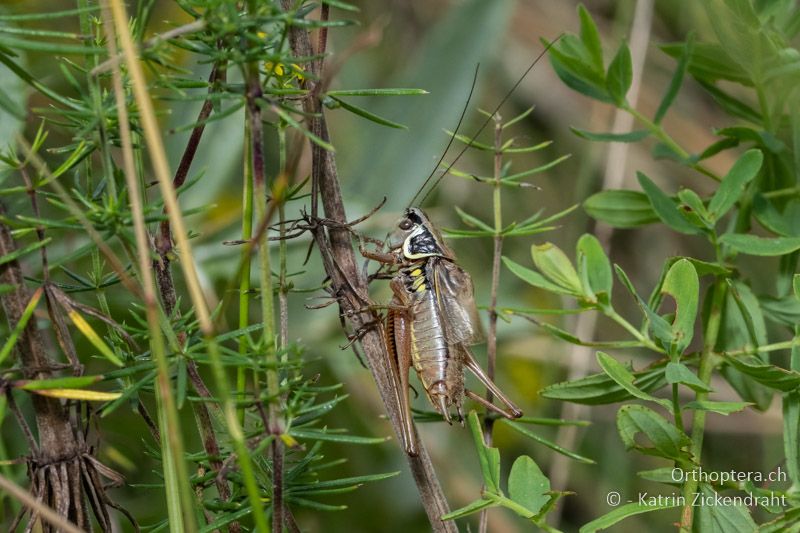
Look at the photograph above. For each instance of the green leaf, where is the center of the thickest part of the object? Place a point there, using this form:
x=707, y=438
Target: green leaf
x=377, y=92
x=594, y=268
x=730, y=104
x=628, y=137
x=472, y=221
x=360, y=111
x=723, y=408
x=489, y=457
x=676, y=81
x=746, y=388
x=668, y=441
x=19, y=327
x=344, y=6
x=682, y=284
x=785, y=523
x=556, y=266
x=754, y=245
x=749, y=311
x=224, y=520
x=48, y=47
x=710, y=62
x=92, y=336
x=515, y=178
x=785, y=311
x=717, y=147
x=621, y=513
x=665, y=208
x=665, y=475
x=796, y=285
x=625, y=379
x=680, y=373
x=19, y=252
x=772, y=376
x=48, y=15
x=468, y=509
x=791, y=436
x=758, y=137
x=129, y=393
x=527, y=485
x=572, y=63
x=533, y=278
x=346, y=482
x=693, y=207
x=785, y=224
x=705, y=268
x=58, y=383
x=541, y=440
x=600, y=389
x=621, y=208
x=656, y=324
x=734, y=182
x=716, y=518
x=299, y=127
x=317, y=434
x=590, y=38
x=620, y=74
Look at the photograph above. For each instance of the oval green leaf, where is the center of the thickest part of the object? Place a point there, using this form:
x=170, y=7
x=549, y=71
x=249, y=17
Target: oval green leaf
x=621, y=208
x=527, y=485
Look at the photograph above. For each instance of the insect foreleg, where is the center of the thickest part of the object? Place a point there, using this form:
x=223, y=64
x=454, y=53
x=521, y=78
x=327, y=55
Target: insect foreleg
x=512, y=412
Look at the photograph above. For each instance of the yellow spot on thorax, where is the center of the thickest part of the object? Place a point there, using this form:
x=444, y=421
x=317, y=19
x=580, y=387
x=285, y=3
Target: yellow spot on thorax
x=421, y=288
x=415, y=273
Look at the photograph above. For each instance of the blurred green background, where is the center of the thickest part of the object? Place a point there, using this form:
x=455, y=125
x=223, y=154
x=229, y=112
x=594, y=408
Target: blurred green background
x=435, y=45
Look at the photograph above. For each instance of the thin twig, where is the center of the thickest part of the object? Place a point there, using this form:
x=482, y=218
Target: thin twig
x=115, y=59
x=491, y=341
x=350, y=286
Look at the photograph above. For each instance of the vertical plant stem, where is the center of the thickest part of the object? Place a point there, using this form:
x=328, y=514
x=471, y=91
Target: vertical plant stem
x=161, y=168
x=102, y=140
x=707, y=363
x=283, y=291
x=245, y=342
x=178, y=490
x=258, y=172
x=491, y=341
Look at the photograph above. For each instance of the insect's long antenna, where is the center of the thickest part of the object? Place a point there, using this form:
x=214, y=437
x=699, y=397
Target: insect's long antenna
x=485, y=123
x=450, y=143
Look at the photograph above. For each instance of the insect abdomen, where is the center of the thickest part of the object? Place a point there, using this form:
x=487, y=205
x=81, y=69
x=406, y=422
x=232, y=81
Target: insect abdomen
x=433, y=358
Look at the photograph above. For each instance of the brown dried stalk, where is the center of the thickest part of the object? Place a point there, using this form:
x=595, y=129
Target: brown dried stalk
x=348, y=284
x=162, y=267
x=63, y=472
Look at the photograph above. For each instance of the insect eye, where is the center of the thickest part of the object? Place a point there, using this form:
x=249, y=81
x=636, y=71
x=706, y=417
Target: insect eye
x=405, y=224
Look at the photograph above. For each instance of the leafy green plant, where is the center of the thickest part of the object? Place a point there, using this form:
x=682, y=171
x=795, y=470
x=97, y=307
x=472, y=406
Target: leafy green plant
x=97, y=242
x=731, y=312
x=526, y=476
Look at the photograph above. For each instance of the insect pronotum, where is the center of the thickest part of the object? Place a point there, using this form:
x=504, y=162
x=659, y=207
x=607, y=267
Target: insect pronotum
x=432, y=319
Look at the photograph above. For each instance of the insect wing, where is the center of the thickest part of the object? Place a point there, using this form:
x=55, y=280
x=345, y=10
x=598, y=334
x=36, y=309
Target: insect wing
x=456, y=298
